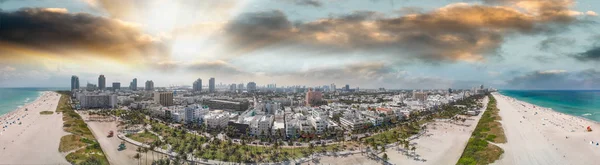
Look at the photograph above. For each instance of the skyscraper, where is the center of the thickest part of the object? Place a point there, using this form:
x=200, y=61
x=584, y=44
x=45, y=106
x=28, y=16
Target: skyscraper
x=197, y=86
x=74, y=82
x=347, y=88
x=240, y=87
x=101, y=82
x=211, y=85
x=332, y=87
x=133, y=84
x=116, y=86
x=149, y=85
x=251, y=87
x=233, y=87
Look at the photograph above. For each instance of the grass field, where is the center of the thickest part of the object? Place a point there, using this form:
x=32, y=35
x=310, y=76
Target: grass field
x=80, y=136
x=70, y=142
x=46, y=113
x=144, y=137
x=479, y=150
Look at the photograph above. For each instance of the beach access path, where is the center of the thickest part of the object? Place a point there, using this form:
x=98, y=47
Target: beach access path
x=537, y=135
x=36, y=139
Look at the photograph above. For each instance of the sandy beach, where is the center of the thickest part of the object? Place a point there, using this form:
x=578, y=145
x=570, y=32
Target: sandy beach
x=28, y=137
x=443, y=143
x=537, y=135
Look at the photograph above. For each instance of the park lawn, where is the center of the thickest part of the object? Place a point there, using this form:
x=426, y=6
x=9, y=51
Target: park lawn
x=46, y=113
x=144, y=137
x=70, y=142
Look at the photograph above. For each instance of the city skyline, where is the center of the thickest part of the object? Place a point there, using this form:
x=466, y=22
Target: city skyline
x=508, y=44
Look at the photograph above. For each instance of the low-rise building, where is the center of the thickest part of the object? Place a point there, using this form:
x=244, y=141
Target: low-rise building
x=216, y=119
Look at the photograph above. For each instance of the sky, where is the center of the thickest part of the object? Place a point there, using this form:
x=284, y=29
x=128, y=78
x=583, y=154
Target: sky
x=394, y=44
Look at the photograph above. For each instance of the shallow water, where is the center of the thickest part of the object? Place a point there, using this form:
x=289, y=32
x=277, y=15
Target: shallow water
x=578, y=103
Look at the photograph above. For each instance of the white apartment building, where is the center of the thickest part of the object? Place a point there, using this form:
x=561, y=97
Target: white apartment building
x=195, y=113
x=97, y=101
x=216, y=119
x=318, y=123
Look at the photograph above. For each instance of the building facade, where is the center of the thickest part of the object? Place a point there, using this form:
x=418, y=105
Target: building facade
x=313, y=97
x=197, y=86
x=163, y=98
x=101, y=82
x=97, y=101
x=133, y=85
x=116, y=86
x=74, y=83
x=251, y=87
x=211, y=85
x=149, y=85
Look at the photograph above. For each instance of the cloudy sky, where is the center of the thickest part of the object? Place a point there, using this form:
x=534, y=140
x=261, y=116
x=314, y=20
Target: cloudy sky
x=400, y=44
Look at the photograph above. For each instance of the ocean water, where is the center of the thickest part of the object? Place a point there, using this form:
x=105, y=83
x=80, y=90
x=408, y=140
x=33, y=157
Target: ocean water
x=577, y=103
x=13, y=98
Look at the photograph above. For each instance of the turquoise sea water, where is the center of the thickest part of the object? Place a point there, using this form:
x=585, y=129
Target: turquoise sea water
x=578, y=103
x=12, y=98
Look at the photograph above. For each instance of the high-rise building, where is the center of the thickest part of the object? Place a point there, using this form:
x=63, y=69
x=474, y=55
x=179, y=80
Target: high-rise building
x=91, y=87
x=347, y=88
x=97, y=101
x=149, y=85
x=232, y=87
x=313, y=97
x=116, y=86
x=211, y=85
x=240, y=87
x=101, y=82
x=133, y=85
x=197, y=86
x=332, y=88
x=74, y=82
x=164, y=98
x=251, y=87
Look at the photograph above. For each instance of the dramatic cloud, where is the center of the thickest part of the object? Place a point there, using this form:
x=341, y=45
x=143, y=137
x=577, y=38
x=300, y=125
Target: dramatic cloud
x=458, y=32
x=557, y=79
x=555, y=43
x=59, y=32
x=368, y=75
x=314, y=3
x=592, y=55
x=203, y=67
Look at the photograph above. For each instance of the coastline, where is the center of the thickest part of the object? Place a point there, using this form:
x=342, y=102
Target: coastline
x=588, y=111
x=18, y=104
x=541, y=135
x=26, y=132
x=551, y=109
x=25, y=104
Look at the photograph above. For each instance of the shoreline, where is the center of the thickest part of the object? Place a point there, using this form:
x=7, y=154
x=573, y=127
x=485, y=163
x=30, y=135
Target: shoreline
x=26, y=103
x=541, y=135
x=579, y=116
x=551, y=109
x=20, y=138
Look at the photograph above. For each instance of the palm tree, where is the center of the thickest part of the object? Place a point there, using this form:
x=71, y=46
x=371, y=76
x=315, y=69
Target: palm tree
x=138, y=150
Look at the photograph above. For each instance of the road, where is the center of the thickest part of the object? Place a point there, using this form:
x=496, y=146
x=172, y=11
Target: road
x=110, y=145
